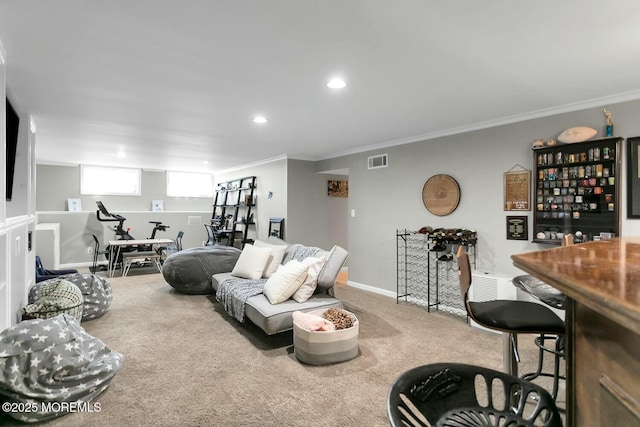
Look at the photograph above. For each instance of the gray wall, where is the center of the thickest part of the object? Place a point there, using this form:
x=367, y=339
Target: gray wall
x=76, y=229
x=391, y=198
x=270, y=177
x=384, y=200
x=315, y=219
x=300, y=196
x=54, y=184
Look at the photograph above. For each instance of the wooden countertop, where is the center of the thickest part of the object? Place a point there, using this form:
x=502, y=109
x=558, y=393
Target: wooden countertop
x=603, y=275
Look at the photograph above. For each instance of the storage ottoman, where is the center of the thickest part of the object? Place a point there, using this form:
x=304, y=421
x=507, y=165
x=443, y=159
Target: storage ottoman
x=324, y=347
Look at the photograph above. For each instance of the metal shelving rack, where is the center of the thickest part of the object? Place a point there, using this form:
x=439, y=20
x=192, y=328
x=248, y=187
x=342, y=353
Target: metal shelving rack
x=427, y=271
x=232, y=211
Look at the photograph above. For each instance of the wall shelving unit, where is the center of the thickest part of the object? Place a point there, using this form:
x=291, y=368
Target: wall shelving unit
x=577, y=189
x=233, y=211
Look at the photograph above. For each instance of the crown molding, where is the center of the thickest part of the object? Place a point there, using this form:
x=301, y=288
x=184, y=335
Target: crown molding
x=516, y=118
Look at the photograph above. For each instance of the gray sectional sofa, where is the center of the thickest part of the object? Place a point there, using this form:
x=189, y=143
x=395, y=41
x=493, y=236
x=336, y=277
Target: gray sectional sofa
x=274, y=318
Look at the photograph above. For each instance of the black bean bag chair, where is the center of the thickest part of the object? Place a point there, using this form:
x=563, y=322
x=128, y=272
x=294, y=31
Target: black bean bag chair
x=189, y=271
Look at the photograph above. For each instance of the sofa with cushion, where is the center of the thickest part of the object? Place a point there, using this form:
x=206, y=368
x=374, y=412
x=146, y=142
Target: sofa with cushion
x=272, y=279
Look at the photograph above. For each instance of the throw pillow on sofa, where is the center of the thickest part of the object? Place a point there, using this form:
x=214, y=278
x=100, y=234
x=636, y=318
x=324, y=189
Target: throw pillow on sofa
x=251, y=263
x=307, y=288
x=285, y=281
x=275, y=259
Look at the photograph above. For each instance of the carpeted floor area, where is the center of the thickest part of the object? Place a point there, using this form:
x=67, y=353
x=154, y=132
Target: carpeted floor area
x=187, y=363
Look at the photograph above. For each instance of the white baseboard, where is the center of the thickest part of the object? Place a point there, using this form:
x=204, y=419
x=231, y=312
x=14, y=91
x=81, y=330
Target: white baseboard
x=373, y=289
x=80, y=264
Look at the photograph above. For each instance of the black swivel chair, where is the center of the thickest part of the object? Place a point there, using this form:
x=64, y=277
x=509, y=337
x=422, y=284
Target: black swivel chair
x=171, y=249
x=179, y=240
x=96, y=253
x=211, y=235
x=452, y=394
x=515, y=317
x=176, y=247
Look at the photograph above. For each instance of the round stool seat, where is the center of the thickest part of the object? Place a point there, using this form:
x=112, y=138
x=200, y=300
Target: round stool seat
x=541, y=291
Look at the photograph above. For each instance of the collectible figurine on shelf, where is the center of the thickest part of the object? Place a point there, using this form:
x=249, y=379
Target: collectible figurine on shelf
x=607, y=114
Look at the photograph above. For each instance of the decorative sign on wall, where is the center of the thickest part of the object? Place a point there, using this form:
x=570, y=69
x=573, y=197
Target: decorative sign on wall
x=157, y=205
x=441, y=194
x=517, y=190
x=517, y=228
x=74, y=205
x=338, y=188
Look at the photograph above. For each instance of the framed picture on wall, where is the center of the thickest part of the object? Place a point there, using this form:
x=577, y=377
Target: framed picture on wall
x=74, y=205
x=633, y=177
x=517, y=228
x=157, y=205
x=338, y=188
x=517, y=190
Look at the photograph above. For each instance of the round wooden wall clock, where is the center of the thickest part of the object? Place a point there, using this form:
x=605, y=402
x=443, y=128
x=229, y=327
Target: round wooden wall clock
x=441, y=194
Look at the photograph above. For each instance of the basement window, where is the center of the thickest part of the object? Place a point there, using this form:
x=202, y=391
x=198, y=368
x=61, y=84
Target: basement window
x=100, y=180
x=187, y=184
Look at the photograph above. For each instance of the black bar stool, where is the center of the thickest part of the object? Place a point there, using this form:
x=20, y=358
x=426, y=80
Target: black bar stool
x=513, y=318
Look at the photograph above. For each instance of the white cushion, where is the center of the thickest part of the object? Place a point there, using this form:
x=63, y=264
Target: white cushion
x=277, y=254
x=285, y=281
x=307, y=288
x=251, y=262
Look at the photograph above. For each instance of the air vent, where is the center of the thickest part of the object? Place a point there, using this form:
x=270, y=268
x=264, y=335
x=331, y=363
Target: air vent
x=379, y=161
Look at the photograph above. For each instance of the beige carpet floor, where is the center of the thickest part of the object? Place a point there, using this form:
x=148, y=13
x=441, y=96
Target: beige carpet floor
x=187, y=363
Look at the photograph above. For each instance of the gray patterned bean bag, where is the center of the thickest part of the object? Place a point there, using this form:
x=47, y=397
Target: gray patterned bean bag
x=49, y=367
x=96, y=293
x=53, y=297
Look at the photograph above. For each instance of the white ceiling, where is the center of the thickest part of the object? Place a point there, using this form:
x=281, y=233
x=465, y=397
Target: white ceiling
x=174, y=83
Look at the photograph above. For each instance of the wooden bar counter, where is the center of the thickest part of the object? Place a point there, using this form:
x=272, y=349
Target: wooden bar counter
x=602, y=281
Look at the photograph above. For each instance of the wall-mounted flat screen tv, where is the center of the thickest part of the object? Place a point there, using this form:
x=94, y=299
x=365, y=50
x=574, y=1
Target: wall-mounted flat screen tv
x=13, y=123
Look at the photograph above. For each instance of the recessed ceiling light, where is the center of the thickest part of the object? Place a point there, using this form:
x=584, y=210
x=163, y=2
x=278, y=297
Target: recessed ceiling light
x=259, y=119
x=206, y=162
x=121, y=154
x=336, y=83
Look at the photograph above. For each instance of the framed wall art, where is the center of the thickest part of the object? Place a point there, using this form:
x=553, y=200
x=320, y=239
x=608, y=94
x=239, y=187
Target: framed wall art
x=338, y=188
x=157, y=205
x=74, y=205
x=517, y=190
x=633, y=177
x=441, y=194
x=517, y=228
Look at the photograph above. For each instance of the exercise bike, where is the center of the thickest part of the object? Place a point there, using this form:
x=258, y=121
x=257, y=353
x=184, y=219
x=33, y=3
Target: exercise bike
x=122, y=234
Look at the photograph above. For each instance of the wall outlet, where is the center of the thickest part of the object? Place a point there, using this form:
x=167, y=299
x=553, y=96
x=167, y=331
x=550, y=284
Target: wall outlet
x=89, y=250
